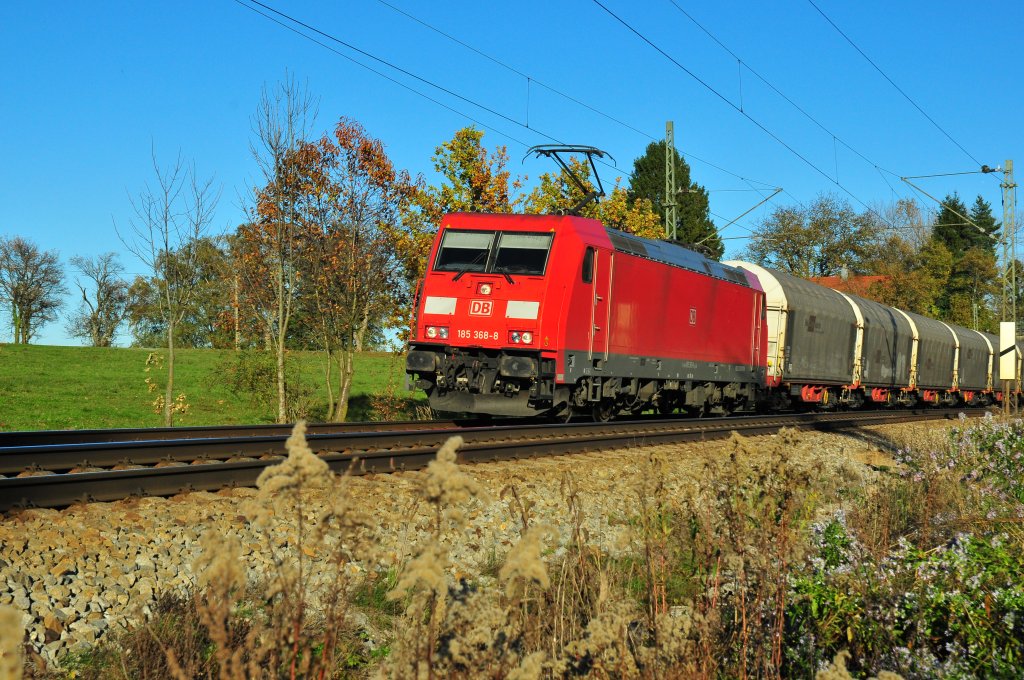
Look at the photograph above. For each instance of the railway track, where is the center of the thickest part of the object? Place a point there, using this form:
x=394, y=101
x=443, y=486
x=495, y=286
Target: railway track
x=50, y=437
x=62, y=474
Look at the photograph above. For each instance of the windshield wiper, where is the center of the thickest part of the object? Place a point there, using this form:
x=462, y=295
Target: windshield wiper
x=508, y=277
x=465, y=269
x=503, y=270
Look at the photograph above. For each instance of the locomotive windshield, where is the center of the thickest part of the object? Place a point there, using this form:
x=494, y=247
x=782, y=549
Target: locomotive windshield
x=464, y=251
x=522, y=253
x=502, y=252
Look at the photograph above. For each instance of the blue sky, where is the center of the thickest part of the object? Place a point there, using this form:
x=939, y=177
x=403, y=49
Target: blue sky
x=86, y=88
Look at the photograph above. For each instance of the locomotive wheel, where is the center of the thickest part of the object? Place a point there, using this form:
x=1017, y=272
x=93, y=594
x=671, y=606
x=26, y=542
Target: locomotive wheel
x=604, y=411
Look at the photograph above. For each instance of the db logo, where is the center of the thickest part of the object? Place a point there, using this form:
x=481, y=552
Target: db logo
x=480, y=307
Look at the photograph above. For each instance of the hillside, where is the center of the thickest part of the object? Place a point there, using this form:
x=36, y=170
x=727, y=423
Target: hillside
x=44, y=387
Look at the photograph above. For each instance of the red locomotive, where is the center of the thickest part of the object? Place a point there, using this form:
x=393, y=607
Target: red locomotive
x=525, y=315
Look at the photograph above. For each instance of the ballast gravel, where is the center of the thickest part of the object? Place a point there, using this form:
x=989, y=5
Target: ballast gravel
x=82, y=573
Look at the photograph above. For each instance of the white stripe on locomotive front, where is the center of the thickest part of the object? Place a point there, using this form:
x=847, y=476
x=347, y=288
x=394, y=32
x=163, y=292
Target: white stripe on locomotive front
x=439, y=305
x=522, y=309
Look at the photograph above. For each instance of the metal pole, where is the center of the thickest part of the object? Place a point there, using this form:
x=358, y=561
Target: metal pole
x=1010, y=259
x=671, y=207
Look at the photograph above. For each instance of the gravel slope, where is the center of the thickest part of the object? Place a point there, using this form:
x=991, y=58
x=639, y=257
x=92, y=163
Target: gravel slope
x=80, y=573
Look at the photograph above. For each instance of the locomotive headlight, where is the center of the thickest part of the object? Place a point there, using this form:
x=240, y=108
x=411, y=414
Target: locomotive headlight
x=431, y=332
x=484, y=289
x=442, y=332
x=517, y=337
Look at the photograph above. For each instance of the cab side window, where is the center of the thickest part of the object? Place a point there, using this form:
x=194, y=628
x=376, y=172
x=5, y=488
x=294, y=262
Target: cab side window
x=588, y=265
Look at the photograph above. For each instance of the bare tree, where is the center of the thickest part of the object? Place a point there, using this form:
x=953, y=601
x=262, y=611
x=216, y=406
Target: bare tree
x=906, y=219
x=270, y=244
x=171, y=215
x=31, y=283
x=104, y=299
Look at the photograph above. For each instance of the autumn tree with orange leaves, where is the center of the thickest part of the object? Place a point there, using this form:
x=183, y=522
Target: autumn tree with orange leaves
x=472, y=180
x=352, y=272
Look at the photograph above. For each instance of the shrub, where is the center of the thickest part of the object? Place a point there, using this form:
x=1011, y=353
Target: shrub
x=253, y=374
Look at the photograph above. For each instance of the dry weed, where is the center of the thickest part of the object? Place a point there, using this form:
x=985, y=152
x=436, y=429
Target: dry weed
x=298, y=625
x=837, y=670
x=12, y=637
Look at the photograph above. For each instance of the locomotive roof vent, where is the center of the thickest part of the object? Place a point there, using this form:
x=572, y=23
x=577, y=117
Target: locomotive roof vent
x=554, y=152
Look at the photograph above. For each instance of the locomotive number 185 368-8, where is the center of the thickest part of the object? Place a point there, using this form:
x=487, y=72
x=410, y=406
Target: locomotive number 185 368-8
x=476, y=335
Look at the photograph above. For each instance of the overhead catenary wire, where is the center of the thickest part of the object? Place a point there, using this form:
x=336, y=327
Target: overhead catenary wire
x=836, y=138
x=256, y=9
x=892, y=82
x=534, y=81
x=739, y=110
x=383, y=75
x=397, y=82
x=389, y=64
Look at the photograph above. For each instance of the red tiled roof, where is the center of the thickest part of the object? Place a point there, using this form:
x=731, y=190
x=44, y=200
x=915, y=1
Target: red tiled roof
x=857, y=285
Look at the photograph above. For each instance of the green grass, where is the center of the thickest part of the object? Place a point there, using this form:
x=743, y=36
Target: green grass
x=44, y=387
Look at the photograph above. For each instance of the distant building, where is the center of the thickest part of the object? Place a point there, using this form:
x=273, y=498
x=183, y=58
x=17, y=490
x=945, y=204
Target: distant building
x=855, y=285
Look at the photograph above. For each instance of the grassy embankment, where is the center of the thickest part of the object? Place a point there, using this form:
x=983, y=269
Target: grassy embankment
x=45, y=387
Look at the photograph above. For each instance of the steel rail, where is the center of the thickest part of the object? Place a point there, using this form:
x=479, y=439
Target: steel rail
x=84, y=456
x=51, y=437
x=59, y=490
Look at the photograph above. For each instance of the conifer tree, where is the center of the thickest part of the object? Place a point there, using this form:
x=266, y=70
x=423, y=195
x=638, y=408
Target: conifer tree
x=957, y=233
x=981, y=215
x=647, y=180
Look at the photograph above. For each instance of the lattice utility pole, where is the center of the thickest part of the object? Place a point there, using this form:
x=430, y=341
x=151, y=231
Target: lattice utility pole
x=1009, y=238
x=1009, y=246
x=671, y=207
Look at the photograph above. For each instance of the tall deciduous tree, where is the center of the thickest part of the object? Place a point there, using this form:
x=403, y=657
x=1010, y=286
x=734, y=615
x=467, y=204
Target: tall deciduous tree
x=826, y=238
x=474, y=180
x=31, y=285
x=914, y=276
x=269, y=245
x=353, y=269
x=104, y=299
x=694, y=223
x=171, y=214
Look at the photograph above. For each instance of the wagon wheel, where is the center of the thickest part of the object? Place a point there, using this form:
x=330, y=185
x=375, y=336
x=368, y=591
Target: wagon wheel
x=604, y=411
